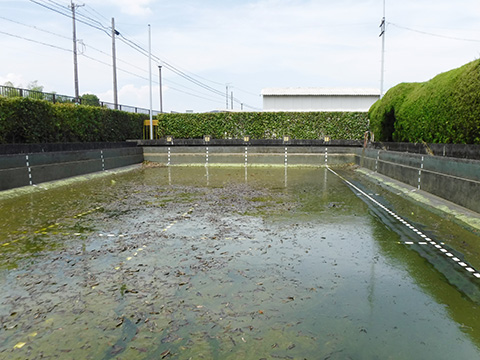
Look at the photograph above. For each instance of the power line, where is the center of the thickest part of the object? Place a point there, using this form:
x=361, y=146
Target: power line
x=35, y=27
x=96, y=24
x=97, y=60
x=34, y=41
x=81, y=18
x=432, y=34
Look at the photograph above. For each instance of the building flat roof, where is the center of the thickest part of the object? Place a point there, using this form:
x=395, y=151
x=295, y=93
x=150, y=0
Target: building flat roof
x=319, y=91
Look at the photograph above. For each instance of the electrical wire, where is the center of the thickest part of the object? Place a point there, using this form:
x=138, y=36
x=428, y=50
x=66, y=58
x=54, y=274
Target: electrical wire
x=91, y=22
x=432, y=34
x=36, y=28
x=35, y=41
x=79, y=17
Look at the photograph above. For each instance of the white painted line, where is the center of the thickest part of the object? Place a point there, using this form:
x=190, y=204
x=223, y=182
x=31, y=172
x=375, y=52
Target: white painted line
x=359, y=192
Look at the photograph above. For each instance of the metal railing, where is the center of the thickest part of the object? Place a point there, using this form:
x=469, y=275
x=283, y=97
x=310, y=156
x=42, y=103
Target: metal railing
x=9, y=91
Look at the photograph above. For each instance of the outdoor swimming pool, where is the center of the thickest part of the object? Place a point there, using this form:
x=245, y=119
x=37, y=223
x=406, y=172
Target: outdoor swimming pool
x=234, y=263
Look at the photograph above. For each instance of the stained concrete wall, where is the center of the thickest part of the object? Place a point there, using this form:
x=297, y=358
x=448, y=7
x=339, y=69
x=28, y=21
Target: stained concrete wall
x=25, y=169
x=250, y=155
x=453, y=179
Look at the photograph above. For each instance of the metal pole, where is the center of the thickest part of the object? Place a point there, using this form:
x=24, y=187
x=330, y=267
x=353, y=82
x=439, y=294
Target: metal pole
x=150, y=77
x=231, y=101
x=226, y=96
x=114, y=55
x=75, y=61
x=160, y=82
x=382, y=34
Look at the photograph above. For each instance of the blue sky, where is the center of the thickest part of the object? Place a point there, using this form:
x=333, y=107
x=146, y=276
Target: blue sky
x=248, y=45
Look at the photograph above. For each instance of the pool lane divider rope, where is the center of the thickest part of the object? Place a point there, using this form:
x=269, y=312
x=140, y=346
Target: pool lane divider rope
x=425, y=240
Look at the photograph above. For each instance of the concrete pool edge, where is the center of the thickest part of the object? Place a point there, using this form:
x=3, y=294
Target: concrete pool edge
x=435, y=203
x=25, y=190
x=453, y=179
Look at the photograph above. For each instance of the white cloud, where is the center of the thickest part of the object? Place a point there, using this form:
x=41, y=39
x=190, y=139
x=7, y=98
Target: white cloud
x=250, y=44
x=16, y=79
x=132, y=95
x=134, y=8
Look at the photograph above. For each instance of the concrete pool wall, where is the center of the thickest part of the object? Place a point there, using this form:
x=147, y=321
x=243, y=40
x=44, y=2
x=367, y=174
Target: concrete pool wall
x=24, y=165
x=451, y=178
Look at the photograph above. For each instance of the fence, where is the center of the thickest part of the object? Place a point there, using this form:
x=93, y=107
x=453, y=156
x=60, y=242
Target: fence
x=9, y=91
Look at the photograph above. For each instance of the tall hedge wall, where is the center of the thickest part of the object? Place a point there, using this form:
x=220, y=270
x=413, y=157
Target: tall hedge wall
x=265, y=125
x=24, y=120
x=445, y=109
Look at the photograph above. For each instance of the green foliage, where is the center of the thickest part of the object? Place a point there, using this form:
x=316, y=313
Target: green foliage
x=265, y=125
x=445, y=109
x=25, y=120
x=90, y=99
x=34, y=86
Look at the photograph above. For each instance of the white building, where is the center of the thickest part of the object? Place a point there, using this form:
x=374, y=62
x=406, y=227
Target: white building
x=319, y=99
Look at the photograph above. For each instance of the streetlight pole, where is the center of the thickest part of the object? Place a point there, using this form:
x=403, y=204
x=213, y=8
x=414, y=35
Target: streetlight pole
x=150, y=77
x=160, y=82
x=226, y=96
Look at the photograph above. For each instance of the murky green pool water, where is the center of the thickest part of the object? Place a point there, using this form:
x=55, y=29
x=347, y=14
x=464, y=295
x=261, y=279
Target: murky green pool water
x=228, y=263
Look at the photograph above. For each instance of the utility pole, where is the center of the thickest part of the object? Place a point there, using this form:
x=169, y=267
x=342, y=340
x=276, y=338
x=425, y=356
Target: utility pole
x=114, y=55
x=382, y=35
x=160, y=82
x=75, y=61
x=231, y=101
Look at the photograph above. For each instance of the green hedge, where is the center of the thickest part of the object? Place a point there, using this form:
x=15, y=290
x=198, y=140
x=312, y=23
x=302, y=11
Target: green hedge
x=265, y=125
x=24, y=120
x=445, y=109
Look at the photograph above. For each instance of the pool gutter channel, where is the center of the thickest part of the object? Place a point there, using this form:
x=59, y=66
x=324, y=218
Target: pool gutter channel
x=418, y=237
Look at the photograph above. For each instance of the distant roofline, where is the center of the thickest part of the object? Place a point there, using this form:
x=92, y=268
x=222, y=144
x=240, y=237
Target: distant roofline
x=317, y=91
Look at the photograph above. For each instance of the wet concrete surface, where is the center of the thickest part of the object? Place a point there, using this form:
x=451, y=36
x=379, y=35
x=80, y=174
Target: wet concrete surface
x=233, y=263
